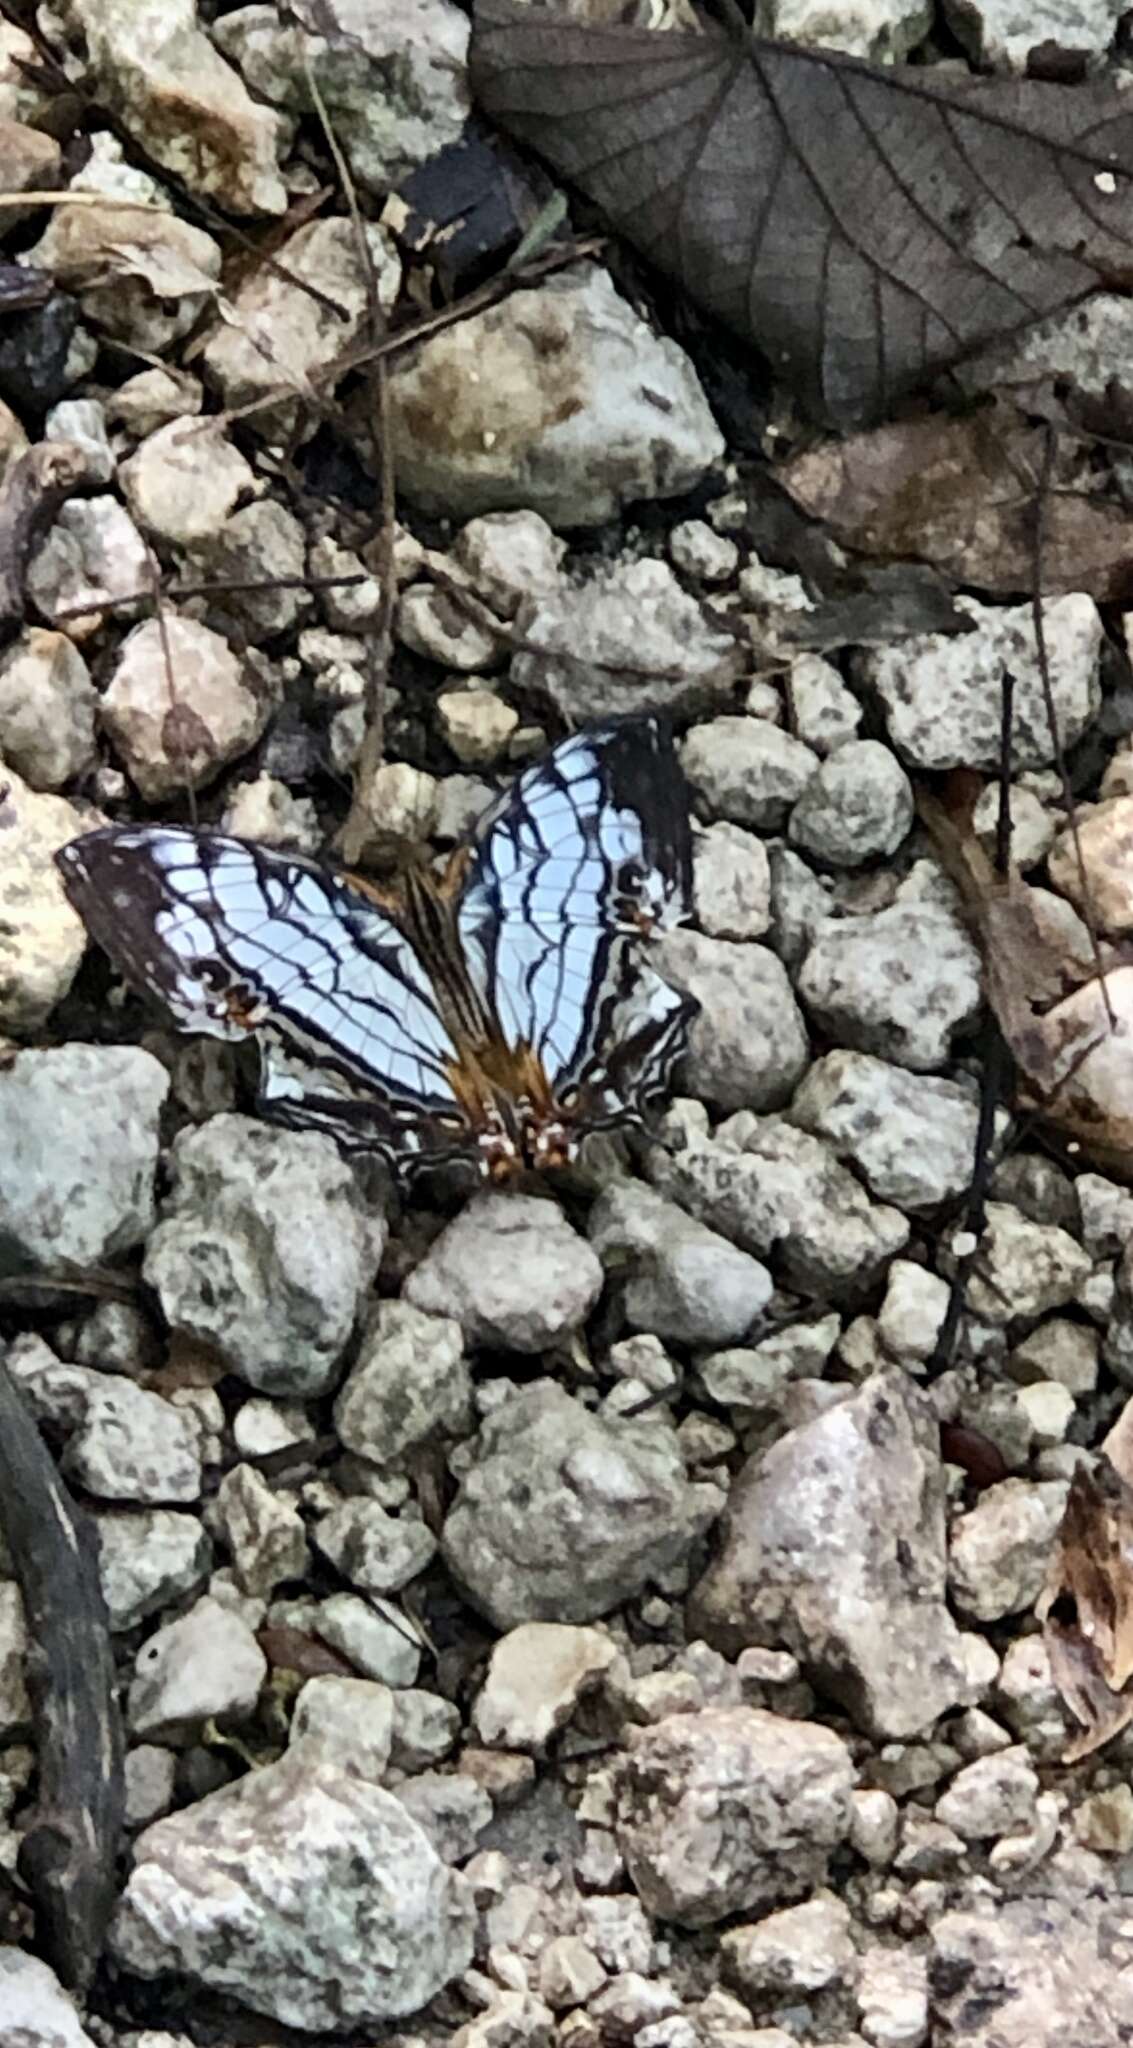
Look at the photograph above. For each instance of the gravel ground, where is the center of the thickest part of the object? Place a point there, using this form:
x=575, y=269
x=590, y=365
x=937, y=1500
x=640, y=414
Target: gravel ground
x=593, y=1615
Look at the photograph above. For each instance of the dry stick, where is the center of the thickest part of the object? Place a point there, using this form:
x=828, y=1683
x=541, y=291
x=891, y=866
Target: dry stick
x=67, y=1858
x=220, y=586
x=379, y=639
x=1085, y=892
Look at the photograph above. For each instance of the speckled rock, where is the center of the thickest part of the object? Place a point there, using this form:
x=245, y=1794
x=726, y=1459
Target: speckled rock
x=42, y=940
x=77, y=1166
x=300, y=1891
x=681, y=1280
x=47, y=709
x=264, y=1251
x=560, y=400
x=730, y=1809
x=563, y=1514
x=748, y=1047
x=409, y=1383
x=911, y=1136
x=511, y=1271
x=900, y=983
x=217, y=708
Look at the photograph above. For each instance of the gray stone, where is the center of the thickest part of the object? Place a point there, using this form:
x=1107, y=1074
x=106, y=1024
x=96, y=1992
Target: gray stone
x=563, y=1514
x=350, y=1720
x=451, y=1810
x=151, y=1773
x=834, y=1546
x=559, y=400
x=266, y=1536
x=81, y=1130
x=37, y=2012
x=264, y=1251
x=1024, y=1268
x=754, y=1381
x=379, y=1647
x=782, y=1195
x=857, y=808
x=731, y=883
x=509, y=556
x=92, y=554
x=911, y=1137
x=392, y=77
x=994, y=1795
x=1001, y=1548
x=426, y=1728
x=148, y=1560
x=300, y=1891
x=409, y=1384
x=206, y=1666
x=942, y=693
x=376, y=1552
x=899, y=982
x=537, y=1675
x=748, y=1046
x=132, y=1444
x=47, y=709
x=747, y=771
x=827, y=714
x=682, y=1281
x=730, y=1809
x=222, y=705
x=799, y=1949
x=1001, y=36
x=42, y=940
x=511, y=1271
x=184, y=481
x=1031, y=1973
x=625, y=639
x=15, y=1706
x=885, y=30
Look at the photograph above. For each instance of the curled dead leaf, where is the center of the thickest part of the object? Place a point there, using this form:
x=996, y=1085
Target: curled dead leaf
x=1086, y=1606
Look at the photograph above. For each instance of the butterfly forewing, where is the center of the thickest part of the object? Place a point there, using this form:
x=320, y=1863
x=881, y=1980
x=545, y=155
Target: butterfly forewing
x=230, y=935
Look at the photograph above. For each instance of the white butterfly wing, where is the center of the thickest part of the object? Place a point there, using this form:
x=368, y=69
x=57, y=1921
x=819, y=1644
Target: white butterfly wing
x=231, y=936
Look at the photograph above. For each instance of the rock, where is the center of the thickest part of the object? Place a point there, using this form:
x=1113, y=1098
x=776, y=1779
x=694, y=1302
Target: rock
x=410, y=1384
x=175, y=95
x=559, y=400
x=1031, y=824
x=857, y=808
x=451, y=1811
x=748, y=1046
x=563, y=1514
x=266, y=810
x=1001, y=1548
x=15, y=1706
x=426, y=1729
x=800, y=1949
x=433, y=623
x=781, y=1195
x=1105, y=835
x=731, y=883
x=260, y=540
x=42, y=353
x=511, y=1271
x=293, y=317
x=999, y=38
x=537, y=1675
x=1024, y=1268
x=884, y=30
x=995, y=1795
x=892, y=1997
x=206, y=1666
x=152, y=399
x=266, y=1536
x=942, y=693
x=42, y=940
x=350, y=1720
x=834, y=1547
x=392, y=78
x=185, y=480
x=300, y=1891
x=683, y=1281
x=753, y=1381
x=697, y=551
x=1058, y=1350
x=730, y=1809
x=912, y=1138
x=132, y=1444
x=912, y=1314
x=476, y=724
x=264, y=1251
x=376, y=1552
x=626, y=639
x=147, y=1560
x=93, y=553
x=47, y=706
x=37, y=2011
x=379, y=1648
x=218, y=709
x=827, y=714
x=509, y=556
x=401, y=804
x=746, y=771
x=1030, y=1973
x=899, y=983
x=150, y=1774
x=569, y=1974
x=81, y=1135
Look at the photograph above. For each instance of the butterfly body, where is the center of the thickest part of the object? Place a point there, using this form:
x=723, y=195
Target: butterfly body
x=498, y=1013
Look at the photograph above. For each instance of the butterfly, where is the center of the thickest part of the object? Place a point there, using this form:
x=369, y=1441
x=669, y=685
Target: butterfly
x=499, y=1013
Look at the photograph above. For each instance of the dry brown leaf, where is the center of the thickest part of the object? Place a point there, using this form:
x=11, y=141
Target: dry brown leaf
x=960, y=493
x=1086, y=1606
x=863, y=227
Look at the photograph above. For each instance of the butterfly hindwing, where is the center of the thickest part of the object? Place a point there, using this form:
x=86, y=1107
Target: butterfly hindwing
x=587, y=846
x=230, y=935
